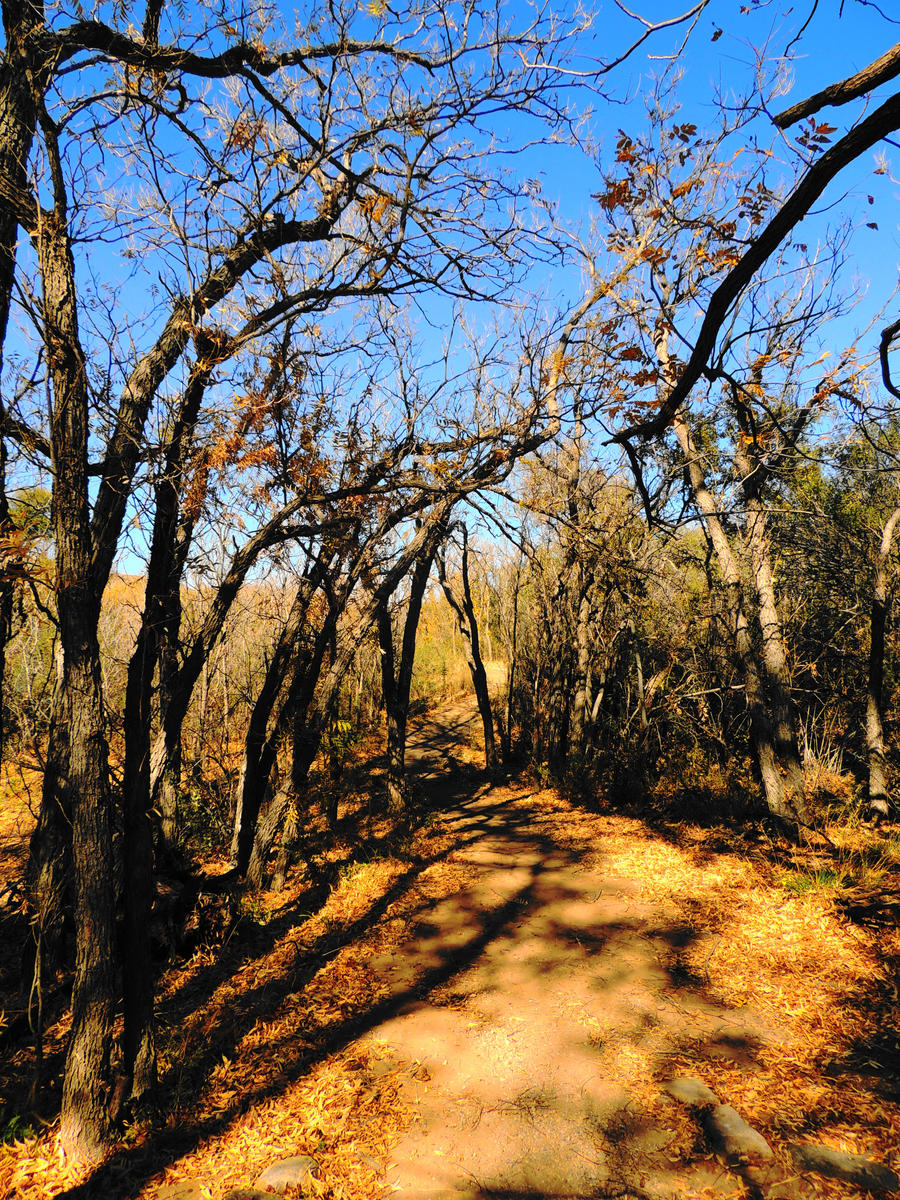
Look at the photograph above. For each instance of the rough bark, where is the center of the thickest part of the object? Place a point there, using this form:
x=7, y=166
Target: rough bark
x=283, y=806
x=138, y=1042
x=395, y=720
x=22, y=78
x=882, y=70
x=290, y=836
x=265, y=831
x=84, y=770
x=49, y=873
x=775, y=662
x=7, y=586
x=581, y=685
x=511, y=669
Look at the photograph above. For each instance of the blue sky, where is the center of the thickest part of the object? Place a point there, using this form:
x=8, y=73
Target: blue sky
x=719, y=58
x=831, y=48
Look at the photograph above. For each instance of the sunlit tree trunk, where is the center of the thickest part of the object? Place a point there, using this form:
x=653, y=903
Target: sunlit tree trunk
x=879, y=794
x=774, y=651
x=761, y=731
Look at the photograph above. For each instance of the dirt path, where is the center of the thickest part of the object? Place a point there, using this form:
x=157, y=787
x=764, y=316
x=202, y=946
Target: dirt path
x=488, y=1003
x=529, y=1071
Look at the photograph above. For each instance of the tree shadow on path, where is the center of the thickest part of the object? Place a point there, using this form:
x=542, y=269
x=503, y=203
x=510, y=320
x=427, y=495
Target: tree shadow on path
x=526, y=991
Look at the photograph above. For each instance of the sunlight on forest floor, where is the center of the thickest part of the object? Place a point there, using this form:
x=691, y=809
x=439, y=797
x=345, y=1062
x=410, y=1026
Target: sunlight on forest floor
x=259, y=1058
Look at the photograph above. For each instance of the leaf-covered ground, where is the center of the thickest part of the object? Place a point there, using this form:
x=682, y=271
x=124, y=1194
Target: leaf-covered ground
x=263, y=1039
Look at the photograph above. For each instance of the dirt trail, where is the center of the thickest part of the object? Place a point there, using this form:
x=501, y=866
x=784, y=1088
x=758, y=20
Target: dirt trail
x=527, y=1070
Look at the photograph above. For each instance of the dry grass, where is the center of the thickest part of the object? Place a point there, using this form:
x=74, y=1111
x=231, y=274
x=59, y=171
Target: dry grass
x=20, y=797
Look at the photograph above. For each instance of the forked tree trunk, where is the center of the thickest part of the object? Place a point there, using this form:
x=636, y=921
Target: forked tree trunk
x=879, y=792
x=396, y=677
x=761, y=730
x=467, y=623
x=774, y=652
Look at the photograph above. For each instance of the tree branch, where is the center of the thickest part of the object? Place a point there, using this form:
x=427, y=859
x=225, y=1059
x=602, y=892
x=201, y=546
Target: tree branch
x=811, y=186
x=94, y=35
x=887, y=339
x=124, y=446
x=880, y=71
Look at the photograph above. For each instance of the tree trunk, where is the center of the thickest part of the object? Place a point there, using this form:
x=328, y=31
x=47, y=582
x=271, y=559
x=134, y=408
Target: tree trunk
x=257, y=763
x=511, y=668
x=774, y=652
x=397, y=677
x=21, y=78
x=761, y=730
x=7, y=590
x=265, y=831
x=168, y=791
x=83, y=771
x=49, y=866
x=278, y=815
x=251, y=844
x=49, y=873
x=290, y=836
x=467, y=623
x=138, y=1042
x=395, y=719
x=580, y=689
x=879, y=794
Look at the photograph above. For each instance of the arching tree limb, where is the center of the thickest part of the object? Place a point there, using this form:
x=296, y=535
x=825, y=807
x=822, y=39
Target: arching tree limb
x=880, y=71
